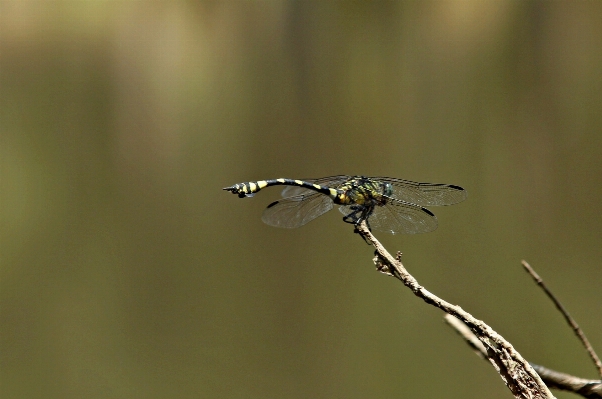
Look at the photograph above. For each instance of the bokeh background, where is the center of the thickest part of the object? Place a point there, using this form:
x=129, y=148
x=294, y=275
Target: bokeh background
x=126, y=272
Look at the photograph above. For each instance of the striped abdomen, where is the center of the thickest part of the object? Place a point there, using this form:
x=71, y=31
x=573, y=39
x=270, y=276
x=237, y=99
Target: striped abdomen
x=249, y=188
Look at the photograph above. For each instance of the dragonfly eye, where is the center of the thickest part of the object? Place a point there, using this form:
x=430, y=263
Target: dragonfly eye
x=388, y=189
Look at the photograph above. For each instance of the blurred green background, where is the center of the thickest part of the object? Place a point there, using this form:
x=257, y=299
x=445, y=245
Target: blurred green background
x=126, y=272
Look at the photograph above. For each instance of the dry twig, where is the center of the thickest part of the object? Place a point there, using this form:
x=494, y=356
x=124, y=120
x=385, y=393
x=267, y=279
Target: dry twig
x=591, y=389
x=580, y=334
x=515, y=371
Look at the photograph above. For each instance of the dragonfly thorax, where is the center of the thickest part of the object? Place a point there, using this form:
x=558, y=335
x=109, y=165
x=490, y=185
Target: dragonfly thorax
x=364, y=191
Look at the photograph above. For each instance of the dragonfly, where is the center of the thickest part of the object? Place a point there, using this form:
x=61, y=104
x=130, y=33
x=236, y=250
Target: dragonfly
x=387, y=204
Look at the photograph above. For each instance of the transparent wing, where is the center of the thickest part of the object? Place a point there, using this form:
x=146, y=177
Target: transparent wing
x=425, y=194
x=296, y=211
x=399, y=217
x=330, y=181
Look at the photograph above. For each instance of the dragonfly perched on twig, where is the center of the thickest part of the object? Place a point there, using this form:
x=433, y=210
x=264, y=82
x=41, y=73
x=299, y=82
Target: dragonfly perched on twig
x=386, y=204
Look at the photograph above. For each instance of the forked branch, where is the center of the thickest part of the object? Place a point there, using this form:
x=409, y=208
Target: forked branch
x=591, y=389
x=576, y=329
x=516, y=372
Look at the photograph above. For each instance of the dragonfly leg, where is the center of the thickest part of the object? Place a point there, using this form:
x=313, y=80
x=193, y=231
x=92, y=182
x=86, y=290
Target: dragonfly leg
x=359, y=213
x=353, y=217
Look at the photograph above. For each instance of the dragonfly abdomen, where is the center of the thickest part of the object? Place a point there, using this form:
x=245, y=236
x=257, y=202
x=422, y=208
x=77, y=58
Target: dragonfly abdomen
x=247, y=189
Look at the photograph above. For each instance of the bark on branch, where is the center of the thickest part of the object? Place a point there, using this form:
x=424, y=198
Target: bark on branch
x=516, y=372
x=591, y=389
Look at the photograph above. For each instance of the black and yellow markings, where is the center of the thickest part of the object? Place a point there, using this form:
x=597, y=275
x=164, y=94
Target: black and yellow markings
x=387, y=204
x=247, y=188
